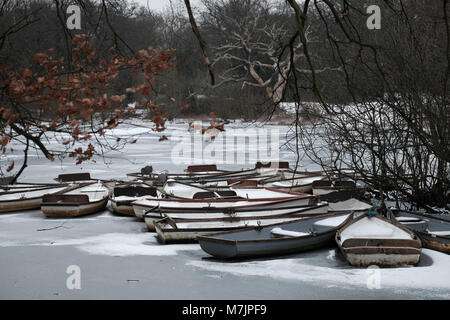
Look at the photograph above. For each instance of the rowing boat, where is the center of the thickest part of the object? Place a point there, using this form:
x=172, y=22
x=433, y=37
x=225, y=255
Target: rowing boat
x=124, y=194
x=20, y=197
x=434, y=234
x=275, y=239
x=321, y=187
x=375, y=240
x=254, y=198
x=81, y=199
x=228, y=214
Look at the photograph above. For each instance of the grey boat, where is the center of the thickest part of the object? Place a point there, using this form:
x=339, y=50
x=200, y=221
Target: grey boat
x=275, y=239
x=435, y=234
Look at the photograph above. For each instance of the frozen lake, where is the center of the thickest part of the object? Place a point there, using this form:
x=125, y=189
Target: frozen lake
x=119, y=259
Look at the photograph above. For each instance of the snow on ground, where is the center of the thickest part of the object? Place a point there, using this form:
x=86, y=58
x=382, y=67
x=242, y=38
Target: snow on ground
x=333, y=270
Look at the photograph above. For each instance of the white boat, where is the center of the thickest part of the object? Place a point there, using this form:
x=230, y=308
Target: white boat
x=350, y=205
x=20, y=197
x=321, y=187
x=80, y=199
x=254, y=198
x=124, y=194
x=234, y=215
x=303, y=184
x=375, y=240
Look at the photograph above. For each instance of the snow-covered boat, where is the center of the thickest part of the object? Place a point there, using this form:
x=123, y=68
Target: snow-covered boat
x=275, y=239
x=349, y=205
x=321, y=187
x=375, y=240
x=434, y=232
x=200, y=171
x=80, y=199
x=228, y=214
x=302, y=184
x=124, y=194
x=25, y=196
x=252, y=198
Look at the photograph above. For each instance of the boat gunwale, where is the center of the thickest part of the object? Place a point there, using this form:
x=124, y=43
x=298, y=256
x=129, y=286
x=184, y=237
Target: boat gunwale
x=414, y=238
x=212, y=238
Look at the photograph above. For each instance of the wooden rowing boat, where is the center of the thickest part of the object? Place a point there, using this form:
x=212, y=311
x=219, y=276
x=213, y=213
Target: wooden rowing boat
x=432, y=231
x=375, y=240
x=124, y=194
x=147, y=174
x=81, y=199
x=302, y=184
x=228, y=214
x=255, y=198
x=20, y=197
x=75, y=177
x=322, y=187
x=275, y=239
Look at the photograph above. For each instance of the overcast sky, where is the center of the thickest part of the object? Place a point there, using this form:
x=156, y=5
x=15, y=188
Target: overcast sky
x=160, y=4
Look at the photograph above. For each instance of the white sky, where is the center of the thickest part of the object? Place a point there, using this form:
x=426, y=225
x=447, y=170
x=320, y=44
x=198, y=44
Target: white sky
x=161, y=4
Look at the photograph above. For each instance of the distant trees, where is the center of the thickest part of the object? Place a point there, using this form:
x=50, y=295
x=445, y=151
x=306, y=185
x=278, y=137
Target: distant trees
x=380, y=96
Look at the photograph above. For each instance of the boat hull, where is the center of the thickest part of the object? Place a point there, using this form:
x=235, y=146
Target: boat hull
x=382, y=259
x=20, y=205
x=392, y=245
x=244, y=215
x=58, y=210
x=435, y=242
x=232, y=250
x=123, y=208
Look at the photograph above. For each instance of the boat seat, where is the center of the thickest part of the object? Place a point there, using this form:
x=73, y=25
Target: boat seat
x=344, y=184
x=279, y=232
x=74, y=177
x=227, y=193
x=242, y=182
x=204, y=195
x=134, y=191
x=65, y=198
x=340, y=195
x=321, y=183
x=202, y=168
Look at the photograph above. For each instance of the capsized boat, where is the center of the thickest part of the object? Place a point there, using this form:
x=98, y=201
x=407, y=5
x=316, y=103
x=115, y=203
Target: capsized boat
x=375, y=240
x=80, y=199
x=254, y=198
x=230, y=214
x=18, y=197
x=434, y=233
x=275, y=239
x=124, y=194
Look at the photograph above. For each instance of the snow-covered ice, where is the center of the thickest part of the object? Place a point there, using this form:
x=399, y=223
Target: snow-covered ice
x=35, y=251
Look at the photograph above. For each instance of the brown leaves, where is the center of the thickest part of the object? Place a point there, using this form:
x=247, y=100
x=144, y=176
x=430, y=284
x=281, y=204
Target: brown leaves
x=10, y=167
x=163, y=138
x=77, y=99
